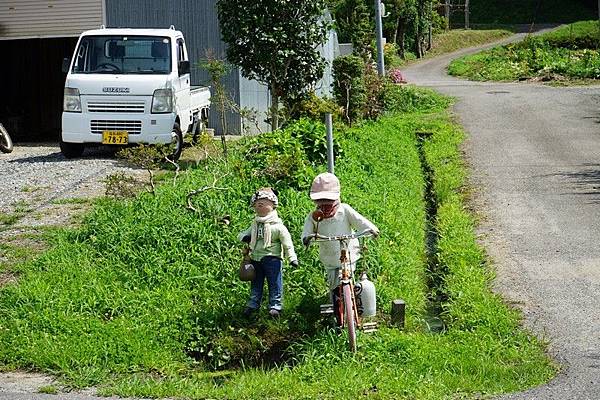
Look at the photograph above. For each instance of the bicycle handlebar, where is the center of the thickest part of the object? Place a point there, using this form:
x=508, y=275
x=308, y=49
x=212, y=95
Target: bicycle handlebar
x=320, y=238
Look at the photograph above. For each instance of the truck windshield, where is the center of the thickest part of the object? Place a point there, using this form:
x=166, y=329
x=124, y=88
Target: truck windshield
x=123, y=55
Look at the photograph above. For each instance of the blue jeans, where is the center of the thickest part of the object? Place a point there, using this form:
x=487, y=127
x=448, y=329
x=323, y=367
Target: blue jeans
x=271, y=269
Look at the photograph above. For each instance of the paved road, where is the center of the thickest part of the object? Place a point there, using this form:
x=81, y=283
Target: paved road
x=535, y=155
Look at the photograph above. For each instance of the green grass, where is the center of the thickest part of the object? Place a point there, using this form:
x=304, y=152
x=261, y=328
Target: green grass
x=8, y=219
x=448, y=42
x=143, y=299
x=49, y=389
x=456, y=39
x=72, y=200
x=570, y=53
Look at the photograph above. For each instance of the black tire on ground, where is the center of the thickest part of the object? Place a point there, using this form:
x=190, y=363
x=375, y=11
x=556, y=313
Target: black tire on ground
x=6, y=144
x=177, y=144
x=71, y=150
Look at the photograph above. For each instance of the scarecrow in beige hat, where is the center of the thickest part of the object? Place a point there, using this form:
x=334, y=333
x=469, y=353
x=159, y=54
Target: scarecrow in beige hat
x=333, y=218
x=269, y=241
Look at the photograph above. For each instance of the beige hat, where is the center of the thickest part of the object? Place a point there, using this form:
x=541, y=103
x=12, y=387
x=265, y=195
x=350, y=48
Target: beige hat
x=265, y=193
x=325, y=186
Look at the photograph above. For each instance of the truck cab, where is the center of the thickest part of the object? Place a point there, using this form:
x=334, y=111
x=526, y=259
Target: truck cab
x=130, y=86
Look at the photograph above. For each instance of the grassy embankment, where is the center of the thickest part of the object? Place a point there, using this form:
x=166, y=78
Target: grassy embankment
x=143, y=299
x=567, y=54
x=449, y=41
x=456, y=39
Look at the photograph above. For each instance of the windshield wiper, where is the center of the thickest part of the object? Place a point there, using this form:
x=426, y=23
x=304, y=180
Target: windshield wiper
x=148, y=71
x=105, y=71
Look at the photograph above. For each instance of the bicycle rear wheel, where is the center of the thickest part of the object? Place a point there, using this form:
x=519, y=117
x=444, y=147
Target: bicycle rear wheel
x=349, y=317
x=6, y=145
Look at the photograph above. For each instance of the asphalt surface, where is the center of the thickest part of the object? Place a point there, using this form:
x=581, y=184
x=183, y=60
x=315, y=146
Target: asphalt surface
x=534, y=154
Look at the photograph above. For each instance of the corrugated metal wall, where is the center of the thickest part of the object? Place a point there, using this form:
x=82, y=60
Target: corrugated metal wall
x=329, y=51
x=198, y=21
x=20, y=19
x=255, y=96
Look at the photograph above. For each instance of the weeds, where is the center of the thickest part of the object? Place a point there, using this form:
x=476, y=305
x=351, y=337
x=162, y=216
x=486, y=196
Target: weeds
x=122, y=186
x=568, y=53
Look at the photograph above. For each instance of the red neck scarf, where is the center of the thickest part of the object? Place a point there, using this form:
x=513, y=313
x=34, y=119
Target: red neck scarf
x=329, y=210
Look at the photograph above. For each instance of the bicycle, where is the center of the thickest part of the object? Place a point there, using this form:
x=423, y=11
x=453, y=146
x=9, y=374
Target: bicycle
x=347, y=310
x=6, y=144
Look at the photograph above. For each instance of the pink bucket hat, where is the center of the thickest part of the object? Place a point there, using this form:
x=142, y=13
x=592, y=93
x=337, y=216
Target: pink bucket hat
x=325, y=186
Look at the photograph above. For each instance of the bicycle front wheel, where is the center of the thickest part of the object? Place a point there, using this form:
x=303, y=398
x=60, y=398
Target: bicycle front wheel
x=349, y=317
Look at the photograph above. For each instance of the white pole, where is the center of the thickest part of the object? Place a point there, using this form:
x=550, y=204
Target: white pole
x=329, y=127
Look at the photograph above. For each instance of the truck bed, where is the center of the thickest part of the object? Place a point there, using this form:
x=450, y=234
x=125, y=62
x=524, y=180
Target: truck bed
x=199, y=98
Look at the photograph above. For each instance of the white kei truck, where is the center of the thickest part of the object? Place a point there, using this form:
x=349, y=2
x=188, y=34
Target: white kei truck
x=130, y=86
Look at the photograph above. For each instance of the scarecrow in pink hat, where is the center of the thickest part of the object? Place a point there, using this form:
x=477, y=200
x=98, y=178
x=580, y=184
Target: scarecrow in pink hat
x=333, y=218
x=269, y=240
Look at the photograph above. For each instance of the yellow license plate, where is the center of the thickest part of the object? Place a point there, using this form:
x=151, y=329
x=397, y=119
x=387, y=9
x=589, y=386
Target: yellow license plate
x=115, y=137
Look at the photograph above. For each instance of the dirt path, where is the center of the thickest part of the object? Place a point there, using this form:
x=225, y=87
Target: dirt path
x=534, y=152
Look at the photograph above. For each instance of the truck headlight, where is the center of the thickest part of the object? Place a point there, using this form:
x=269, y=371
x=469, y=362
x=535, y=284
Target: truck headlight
x=162, y=101
x=71, y=100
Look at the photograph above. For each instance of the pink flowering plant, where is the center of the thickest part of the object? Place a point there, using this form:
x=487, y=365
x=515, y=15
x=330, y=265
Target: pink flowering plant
x=396, y=76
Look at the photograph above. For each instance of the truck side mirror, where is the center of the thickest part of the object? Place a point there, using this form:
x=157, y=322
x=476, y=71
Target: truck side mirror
x=184, y=67
x=66, y=64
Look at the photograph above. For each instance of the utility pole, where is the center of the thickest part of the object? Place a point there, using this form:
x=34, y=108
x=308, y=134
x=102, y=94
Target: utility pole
x=430, y=38
x=379, y=38
x=467, y=14
x=447, y=13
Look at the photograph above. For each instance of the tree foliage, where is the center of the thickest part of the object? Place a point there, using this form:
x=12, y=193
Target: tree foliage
x=276, y=43
x=355, y=24
x=406, y=23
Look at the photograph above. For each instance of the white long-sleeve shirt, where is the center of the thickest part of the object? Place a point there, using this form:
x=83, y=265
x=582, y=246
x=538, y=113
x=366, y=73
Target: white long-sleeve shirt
x=345, y=221
x=281, y=243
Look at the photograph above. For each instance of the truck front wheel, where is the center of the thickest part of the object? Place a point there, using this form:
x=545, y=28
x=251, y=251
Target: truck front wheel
x=71, y=150
x=177, y=144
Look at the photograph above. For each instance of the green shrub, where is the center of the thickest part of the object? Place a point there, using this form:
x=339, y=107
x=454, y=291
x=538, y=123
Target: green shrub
x=275, y=158
x=374, y=85
x=313, y=138
x=391, y=58
x=287, y=157
x=313, y=107
x=348, y=87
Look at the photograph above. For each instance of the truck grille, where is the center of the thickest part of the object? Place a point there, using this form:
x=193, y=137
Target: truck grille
x=115, y=106
x=99, y=126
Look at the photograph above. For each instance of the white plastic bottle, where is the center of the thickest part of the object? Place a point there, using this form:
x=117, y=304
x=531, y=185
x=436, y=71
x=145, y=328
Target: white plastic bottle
x=367, y=296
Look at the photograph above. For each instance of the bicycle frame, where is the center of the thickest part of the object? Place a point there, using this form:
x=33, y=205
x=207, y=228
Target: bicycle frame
x=346, y=306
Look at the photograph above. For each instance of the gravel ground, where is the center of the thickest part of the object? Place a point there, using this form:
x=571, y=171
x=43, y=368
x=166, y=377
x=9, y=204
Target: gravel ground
x=45, y=189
